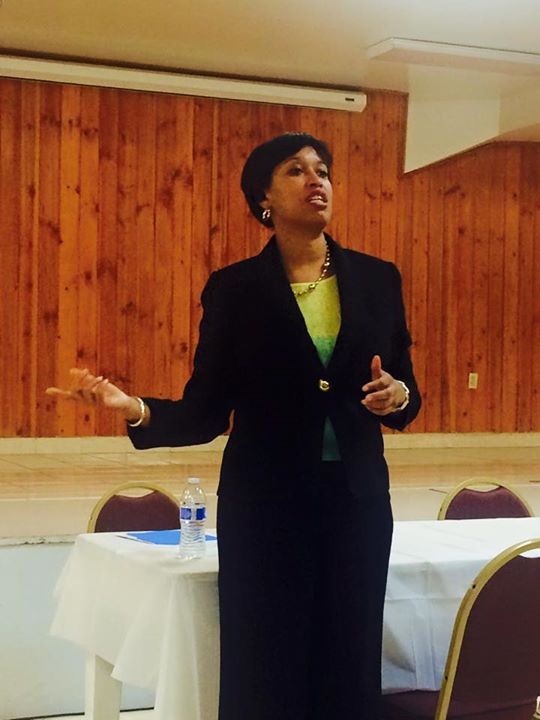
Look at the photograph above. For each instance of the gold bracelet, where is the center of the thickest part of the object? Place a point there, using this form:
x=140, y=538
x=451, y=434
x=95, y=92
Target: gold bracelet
x=142, y=408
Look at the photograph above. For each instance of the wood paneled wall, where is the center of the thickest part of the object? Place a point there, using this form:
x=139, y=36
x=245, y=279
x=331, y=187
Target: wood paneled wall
x=474, y=297
x=116, y=205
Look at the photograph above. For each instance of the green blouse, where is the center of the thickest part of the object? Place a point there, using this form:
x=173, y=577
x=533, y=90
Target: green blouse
x=322, y=315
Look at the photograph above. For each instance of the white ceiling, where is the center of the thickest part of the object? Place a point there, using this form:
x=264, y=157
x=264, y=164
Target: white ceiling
x=311, y=41
x=307, y=41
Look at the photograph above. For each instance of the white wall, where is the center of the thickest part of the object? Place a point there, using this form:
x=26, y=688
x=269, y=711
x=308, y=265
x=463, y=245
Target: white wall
x=452, y=110
x=39, y=675
x=449, y=111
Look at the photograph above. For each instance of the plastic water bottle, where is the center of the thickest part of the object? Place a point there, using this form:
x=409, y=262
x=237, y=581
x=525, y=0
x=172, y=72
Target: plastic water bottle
x=192, y=520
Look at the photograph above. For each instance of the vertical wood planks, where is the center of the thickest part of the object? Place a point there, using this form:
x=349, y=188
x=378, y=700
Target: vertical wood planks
x=418, y=312
x=483, y=168
x=68, y=253
x=117, y=205
x=465, y=292
x=127, y=310
x=110, y=339
x=144, y=239
x=530, y=352
x=10, y=183
x=371, y=242
x=23, y=395
x=434, y=398
x=168, y=238
x=391, y=162
x=510, y=310
x=176, y=333
x=356, y=172
x=526, y=355
x=48, y=242
x=202, y=214
x=87, y=311
x=496, y=292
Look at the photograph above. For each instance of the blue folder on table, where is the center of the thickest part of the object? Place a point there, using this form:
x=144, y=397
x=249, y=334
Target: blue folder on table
x=160, y=537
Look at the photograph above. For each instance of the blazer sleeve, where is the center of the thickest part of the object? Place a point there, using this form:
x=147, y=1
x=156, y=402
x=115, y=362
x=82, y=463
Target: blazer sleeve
x=401, y=367
x=204, y=411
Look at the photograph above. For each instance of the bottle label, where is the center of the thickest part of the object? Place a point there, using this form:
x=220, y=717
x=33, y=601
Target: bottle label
x=187, y=513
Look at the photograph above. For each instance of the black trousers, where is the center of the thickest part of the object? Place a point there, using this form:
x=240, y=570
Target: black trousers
x=301, y=589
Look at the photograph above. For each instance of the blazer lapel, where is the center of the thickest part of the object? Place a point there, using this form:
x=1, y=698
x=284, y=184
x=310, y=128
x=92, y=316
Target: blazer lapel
x=354, y=314
x=273, y=281
x=355, y=334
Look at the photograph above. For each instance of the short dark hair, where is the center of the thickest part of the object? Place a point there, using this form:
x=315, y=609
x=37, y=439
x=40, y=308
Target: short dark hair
x=257, y=172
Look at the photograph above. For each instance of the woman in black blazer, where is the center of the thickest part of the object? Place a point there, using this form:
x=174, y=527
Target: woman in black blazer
x=304, y=519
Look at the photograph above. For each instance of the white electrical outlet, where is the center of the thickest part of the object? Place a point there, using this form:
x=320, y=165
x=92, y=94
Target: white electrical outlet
x=473, y=381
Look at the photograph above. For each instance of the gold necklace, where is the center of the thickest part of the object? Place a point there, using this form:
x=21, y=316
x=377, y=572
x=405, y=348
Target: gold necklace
x=324, y=271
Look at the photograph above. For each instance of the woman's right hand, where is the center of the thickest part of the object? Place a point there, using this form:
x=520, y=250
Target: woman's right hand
x=91, y=389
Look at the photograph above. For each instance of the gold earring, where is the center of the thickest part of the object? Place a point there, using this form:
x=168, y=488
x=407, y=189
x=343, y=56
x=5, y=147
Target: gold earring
x=266, y=214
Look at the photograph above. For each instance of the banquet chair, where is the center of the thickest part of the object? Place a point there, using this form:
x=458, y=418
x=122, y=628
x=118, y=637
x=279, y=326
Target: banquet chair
x=493, y=665
x=121, y=509
x=496, y=500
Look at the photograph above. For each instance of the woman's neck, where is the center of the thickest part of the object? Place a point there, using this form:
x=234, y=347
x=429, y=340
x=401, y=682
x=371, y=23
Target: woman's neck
x=302, y=255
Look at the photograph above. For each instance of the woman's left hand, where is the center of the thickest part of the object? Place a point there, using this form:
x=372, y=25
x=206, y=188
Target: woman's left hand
x=383, y=394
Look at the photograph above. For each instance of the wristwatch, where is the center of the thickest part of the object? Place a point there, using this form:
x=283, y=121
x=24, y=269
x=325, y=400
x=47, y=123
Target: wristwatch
x=407, y=397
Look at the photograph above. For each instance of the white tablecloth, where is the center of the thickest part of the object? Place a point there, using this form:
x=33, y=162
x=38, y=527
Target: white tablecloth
x=154, y=617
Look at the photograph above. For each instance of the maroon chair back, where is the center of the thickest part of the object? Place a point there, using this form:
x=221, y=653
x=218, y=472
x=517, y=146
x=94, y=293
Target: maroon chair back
x=496, y=503
x=499, y=663
x=152, y=511
x=498, y=666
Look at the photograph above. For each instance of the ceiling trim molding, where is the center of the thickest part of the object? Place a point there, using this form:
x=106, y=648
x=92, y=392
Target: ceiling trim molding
x=448, y=55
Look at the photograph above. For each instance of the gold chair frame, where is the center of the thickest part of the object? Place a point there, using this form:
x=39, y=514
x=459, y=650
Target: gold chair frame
x=462, y=617
x=472, y=483
x=119, y=490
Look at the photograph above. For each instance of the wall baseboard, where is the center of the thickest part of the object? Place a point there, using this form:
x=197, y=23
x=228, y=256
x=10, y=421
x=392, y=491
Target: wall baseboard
x=91, y=445
x=462, y=440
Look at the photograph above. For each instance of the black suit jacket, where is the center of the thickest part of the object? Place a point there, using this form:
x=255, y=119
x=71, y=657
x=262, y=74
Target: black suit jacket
x=256, y=358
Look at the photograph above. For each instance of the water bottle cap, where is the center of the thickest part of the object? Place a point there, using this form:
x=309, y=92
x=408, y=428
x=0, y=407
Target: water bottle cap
x=193, y=480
